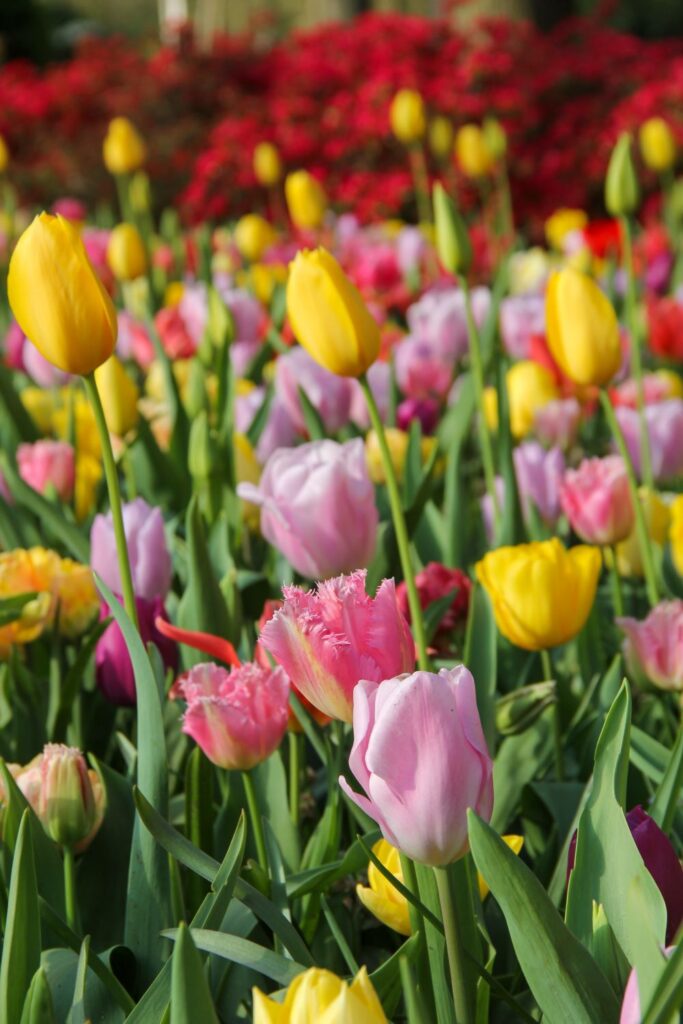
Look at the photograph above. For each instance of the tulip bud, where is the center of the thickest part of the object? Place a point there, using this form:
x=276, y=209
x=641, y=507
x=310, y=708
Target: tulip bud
x=306, y=200
x=517, y=711
x=123, y=149
x=622, y=193
x=495, y=138
x=657, y=144
x=407, y=116
x=452, y=238
x=319, y=995
x=472, y=151
x=66, y=807
x=267, y=164
x=58, y=299
x=253, y=235
x=126, y=254
x=119, y=395
x=582, y=328
x=440, y=137
x=4, y=156
x=202, y=450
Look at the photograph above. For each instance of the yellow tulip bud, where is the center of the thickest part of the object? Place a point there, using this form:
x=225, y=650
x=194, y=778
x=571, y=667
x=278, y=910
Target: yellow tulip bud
x=541, y=593
x=673, y=382
x=676, y=534
x=472, y=151
x=328, y=315
x=306, y=200
x=173, y=293
x=253, y=235
x=119, y=395
x=123, y=150
x=267, y=164
x=126, y=254
x=622, y=194
x=562, y=223
x=407, y=116
x=4, y=155
x=658, y=517
x=319, y=995
x=452, y=239
x=657, y=144
x=440, y=137
x=380, y=897
x=530, y=386
x=491, y=408
x=58, y=299
x=582, y=328
x=88, y=477
x=495, y=138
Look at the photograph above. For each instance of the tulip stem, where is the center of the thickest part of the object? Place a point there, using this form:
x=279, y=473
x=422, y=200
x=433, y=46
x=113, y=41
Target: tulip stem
x=632, y=319
x=400, y=527
x=642, y=534
x=617, y=595
x=455, y=947
x=294, y=741
x=112, y=478
x=256, y=822
x=70, y=902
x=548, y=676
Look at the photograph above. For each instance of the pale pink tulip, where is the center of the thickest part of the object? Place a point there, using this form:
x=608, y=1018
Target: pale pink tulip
x=46, y=464
x=654, y=647
x=664, y=427
x=150, y=559
x=539, y=478
x=597, y=501
x=329, y=394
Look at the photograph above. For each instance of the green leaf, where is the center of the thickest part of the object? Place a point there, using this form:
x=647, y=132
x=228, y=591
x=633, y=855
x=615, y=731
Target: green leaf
x=387, y=978
x=180, y=433
x=312, y=418
x=453, y=432
x=245, y=952
x=202, y=606
x=270, y=782
x=21, y=942
x=190, y=995
x=519, y=760
x=78, y=1013
x=12, y=607
x=199, y=813
x=565, y=980
x=511, y=526
x=481, y=656
x=667, y=998
x=663, y=808
x=38, y=1007
x=24, y=429
x=436, y=946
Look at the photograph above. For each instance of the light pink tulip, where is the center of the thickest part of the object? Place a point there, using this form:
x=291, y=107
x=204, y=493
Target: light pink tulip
x=40, y=370
x=557, y=422
x=150, y=560
x=630, y=1007
x=423, y=371
x=665, y=428
x=539, y=476
x=48, y=463
x=318, y=507
x=379, y=379
x=329, y=394
x=439, y=319
x=654, y=647
x=521, y=316
x=328, y=639
x=420, y=755
x=278, y=432
x=237, y=717
x=597, y=501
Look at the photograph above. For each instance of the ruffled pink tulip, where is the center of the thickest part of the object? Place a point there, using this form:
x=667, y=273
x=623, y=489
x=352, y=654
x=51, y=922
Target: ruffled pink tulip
x=539, y=476
x=597, y=501
x=237, y=717
x=665, y=428
x=150, y=560
x=310, y=497
x=329, y=394
x=420, y=755
x=654, y=647
x=328, y=639
x=557, y=422
x=46, y=464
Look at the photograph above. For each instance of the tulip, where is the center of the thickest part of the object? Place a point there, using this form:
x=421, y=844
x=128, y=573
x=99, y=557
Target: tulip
x=380, y=897
x=66, y=796
x=583, y=332
x=119, y=395
x=433, y=583
x=329, y=394
x=238, y=718
x=123, y=149
x=452, y=239
x=267, y=164
x=440, y=136
x=47, y=464
x=557, y=422
x=541, y=593
x=425, y=410
x=149, y=556
x=657, y=144
x=530, y=387
x=422, y=369
x=654, y=647
x=88, y=476
x=306, y=200
x=561, y=224
x=70, y=208
x=657, y=519
x=397, y=442
x=126, y=253
x=4, y=155
x=539, y=475
x=622, y=194
x=521, y=317
x=495, y=138
x=676, y=534
x=420, y=755
x=58, y=299
x=472, y=152
x=407, y=116
x=597, y=500
x=328, y=315
x=664, y=423
x=329, y=638
x=319, y=995
x=113, y=667
x=253, y=235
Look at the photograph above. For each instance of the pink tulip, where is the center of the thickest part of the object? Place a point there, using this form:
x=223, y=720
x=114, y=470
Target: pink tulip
x=278, y=432
x=420, y=755
x=379, y=379
x=521, y=316
x=150, y=560
x=630, y=1007
x=439, y=319
x=654, y=647
x=539, y=476
x=318, y=507
x=329, y=394
x=40, y=370
x=665, y=427
x=46, y=464
x=557, y=422
x=70, y=208
x=328, y=639
x=596, y=500
x=422, y=371
x=237, y=717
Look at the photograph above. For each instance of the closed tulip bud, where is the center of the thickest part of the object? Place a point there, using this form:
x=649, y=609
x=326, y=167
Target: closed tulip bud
x=253, y=235
x=267, y=164
x=126, y=254
x=306, y=200
x=529, y=386
x=407, y=116
x=319, y=995
x=541, y=593
x=123, y=149
x=4, y=156
x=582, y=328
x=657, y=144
x=452, y=238
x=67, y=805
x=517, y=711
x=622, y=193
x=328, y=315
x=472, y=151
x=441, y=137
x=202, y=457
x=119, y=395
x=495, y=138
x=58, y=299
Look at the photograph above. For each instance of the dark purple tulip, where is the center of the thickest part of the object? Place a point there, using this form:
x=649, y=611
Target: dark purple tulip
x=113, y=668
x=426, y=410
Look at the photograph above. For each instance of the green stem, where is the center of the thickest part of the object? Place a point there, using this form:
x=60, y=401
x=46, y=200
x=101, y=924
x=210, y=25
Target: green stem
x=548, y=675
x=255, y=818
x=400, y=527
x=112, y=478
x=636, y=359
x=642, y=534
x=294, y=741
x=617, y=595
x=455, y=947
x=478, y=378
x=70, y=902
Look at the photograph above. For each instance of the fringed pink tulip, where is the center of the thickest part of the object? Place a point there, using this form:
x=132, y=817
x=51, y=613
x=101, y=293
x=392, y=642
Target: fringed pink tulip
x=328, y=639
x=654, y=647
x=420, y=755
x=597, y=501
x=47, y=464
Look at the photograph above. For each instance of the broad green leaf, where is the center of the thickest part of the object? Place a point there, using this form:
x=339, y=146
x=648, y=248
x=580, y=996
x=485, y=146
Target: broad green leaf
x=519, y=760
x=38, y=1008
x=21, y=941
x=663, y=808
x=23, y=427
x=387, y=978
x=270, y=782
x=243, y=951
x=190, y=995
x=199, y=814
x=77, y=1014
x=480, y=657
x=453, y=431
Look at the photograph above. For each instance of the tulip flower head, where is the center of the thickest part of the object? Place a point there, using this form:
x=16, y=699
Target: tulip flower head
x=379, y=896
x=123, y=149
x=441, y=136
x=267, y=164
x=654, y=647
x=472, y=152
x=148, y=552
x=119, y=396
x=597, y=501
x=319, y=995
x=306, y=200
x=657, y=144
x=582, y=328
x=126, y=253
x=407, y=116
x=48, y=464
x=66, y=796
x=530, y=387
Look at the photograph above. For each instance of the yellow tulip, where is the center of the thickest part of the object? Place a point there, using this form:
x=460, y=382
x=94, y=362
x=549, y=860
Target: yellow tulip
x=676, y=534
x=440, y=136
x=88, y=478
x=407, y=116
x=123, y=149
x=173, y=293
x=657, y=144
x=491, y=408
x=318, y=996
x=253, y=235
x=380, y=897
x=119, y=395
x=267, y=164
x=622, y=191
x=87, y=436
x=472, y=152
x=40, y=405
x=126, y=254
x=306, y=200
x=658, y=517
x=562, y=223
x=582, y=328
x=58, y=299
x=495, y=137
x=247, y=470
x=4, y=155
x=398, y=441
x=530, y=386
x=328, y=315
x=541, y=593
x=673, y=382
x=262, y=279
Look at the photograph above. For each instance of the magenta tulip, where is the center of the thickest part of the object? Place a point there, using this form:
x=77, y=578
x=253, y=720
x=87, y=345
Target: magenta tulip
x=150, y=560
x=113, y=667
x=654, y=647
x=597, y=501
